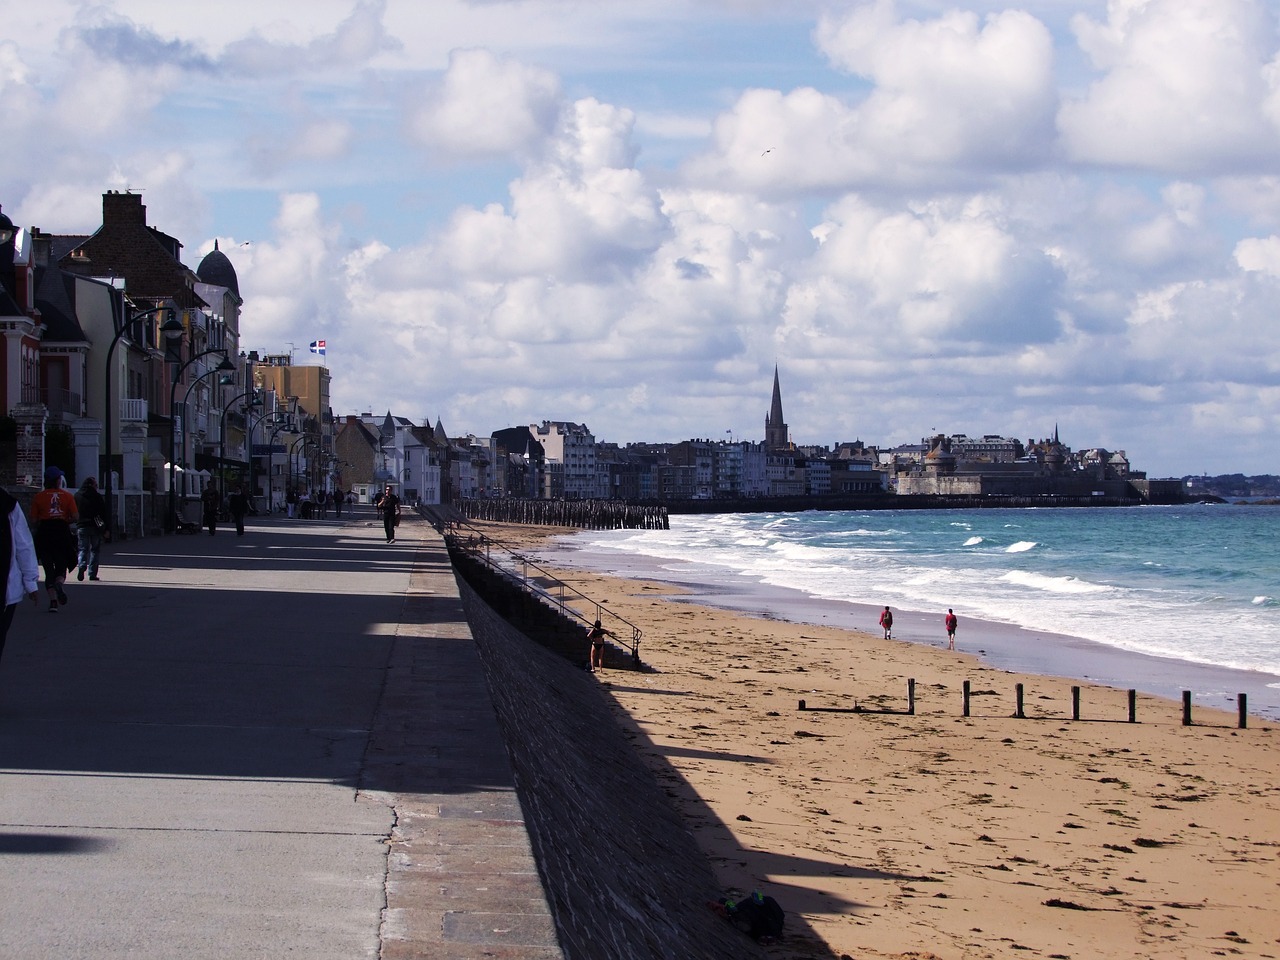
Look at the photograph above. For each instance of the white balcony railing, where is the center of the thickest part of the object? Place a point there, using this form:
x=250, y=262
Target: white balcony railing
x=134, y=410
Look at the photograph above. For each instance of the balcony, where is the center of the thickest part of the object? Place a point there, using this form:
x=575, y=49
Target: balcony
x=133, y=410
x=60, y=403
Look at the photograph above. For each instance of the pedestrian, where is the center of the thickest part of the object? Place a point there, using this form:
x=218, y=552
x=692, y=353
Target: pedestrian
x=18, y=559
x=291, y=501
x=54, y=510
x=596, y=636
x=339, y=498
x=211, y=504
x=91, y=508
x=238, y=505
x=886, y=621
x=951, y=622
x=389, y=506
x=322, y=504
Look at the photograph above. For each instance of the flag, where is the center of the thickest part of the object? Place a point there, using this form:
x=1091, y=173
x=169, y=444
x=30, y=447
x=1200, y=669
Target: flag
x=317, y=346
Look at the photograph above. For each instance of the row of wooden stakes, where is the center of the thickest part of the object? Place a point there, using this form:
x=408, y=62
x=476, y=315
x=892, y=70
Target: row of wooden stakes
x=1019, y=713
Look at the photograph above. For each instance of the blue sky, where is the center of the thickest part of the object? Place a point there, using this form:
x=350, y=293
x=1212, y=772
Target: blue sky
x=972, y=217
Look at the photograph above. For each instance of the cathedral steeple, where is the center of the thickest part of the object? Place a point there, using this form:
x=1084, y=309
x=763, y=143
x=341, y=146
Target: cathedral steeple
x=776, y=434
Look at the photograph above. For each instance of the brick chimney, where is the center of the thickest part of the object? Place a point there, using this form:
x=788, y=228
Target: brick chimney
x=121, y=208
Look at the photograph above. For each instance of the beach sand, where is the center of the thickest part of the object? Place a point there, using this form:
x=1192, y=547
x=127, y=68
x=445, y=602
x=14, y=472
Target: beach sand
x=886, y=835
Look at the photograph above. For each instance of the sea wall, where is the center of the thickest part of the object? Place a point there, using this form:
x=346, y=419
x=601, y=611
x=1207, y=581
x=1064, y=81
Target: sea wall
x=623, y=875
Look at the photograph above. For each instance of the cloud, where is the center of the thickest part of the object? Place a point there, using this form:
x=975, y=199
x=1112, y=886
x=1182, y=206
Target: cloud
x=486, y=106
x=354, y=42
x=1187, y=86
x=952, y=100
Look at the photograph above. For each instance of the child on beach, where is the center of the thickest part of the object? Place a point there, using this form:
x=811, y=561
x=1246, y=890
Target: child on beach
x=886, y=621
x=950, y=621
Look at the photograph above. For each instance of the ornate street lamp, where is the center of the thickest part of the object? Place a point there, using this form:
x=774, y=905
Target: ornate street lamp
x=109, y=405
x=254, y=401
x=224, y=367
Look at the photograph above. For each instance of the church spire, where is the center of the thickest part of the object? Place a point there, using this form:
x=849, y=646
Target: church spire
x=776, y=434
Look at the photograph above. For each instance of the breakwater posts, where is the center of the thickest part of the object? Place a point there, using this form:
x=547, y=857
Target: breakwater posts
x=1019, y=708
x=583, y=514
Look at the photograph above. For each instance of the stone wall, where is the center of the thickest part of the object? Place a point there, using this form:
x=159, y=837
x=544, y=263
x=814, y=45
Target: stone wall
x=623, y=875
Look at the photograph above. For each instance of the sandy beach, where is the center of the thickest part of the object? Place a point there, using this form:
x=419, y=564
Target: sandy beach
x=890, y=835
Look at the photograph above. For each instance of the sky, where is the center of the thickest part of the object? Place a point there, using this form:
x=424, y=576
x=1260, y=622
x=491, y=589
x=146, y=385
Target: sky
x=972, y=217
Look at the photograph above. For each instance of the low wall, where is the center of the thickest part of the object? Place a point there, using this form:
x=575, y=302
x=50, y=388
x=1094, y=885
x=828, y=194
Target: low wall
x=623, y=875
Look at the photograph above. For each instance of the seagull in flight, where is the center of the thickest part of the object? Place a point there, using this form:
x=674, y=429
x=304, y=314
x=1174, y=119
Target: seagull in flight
x=770, y=150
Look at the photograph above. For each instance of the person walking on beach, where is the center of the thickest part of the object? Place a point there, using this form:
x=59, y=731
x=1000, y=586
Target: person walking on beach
x=389, y=506
x=54, y=510
x=238, y=506
x=92, y=510
x=18, y=560
x=886, y=621
x=951, y=622
x=595, y=636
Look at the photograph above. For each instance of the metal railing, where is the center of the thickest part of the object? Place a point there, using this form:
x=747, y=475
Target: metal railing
x=508, y=562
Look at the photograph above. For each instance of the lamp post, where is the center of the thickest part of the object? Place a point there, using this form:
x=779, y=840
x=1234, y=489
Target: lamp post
x=225, y=366
x=271, y=461
x=109, y=406
x=256, y=401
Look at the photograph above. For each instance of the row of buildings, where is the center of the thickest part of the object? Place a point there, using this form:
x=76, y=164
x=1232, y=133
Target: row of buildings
x=121, y=362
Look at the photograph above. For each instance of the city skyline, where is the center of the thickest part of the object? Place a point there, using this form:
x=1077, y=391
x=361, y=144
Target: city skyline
x=974, y=217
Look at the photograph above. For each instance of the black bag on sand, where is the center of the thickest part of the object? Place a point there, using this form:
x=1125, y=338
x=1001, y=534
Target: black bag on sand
x=760, y=917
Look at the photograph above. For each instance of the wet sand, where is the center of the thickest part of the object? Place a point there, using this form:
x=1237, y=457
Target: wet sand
x=939, y=835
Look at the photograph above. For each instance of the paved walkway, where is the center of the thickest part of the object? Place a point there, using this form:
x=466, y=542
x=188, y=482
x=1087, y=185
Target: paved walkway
x=272, y=745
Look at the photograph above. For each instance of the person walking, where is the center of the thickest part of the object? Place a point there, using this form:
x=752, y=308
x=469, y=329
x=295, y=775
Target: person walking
x=389, y=506
x=238, y=505
x=951, y=622
x=322, y=503
x=18, y=560
x=211, y=502
x=291, y=501
x=91, y=508
x=886, y=621
x=338, y=499
x=596, y=636
x=54, y=510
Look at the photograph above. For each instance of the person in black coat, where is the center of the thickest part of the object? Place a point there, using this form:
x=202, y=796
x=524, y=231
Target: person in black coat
x=90, y=528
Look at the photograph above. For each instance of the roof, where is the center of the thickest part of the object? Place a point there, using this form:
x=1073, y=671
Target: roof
x=215, y=269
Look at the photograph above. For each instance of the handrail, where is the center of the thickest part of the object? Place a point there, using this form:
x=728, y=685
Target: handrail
x=556, y=592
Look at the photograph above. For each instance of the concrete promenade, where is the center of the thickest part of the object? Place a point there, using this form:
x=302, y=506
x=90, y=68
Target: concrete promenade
x=263, y=746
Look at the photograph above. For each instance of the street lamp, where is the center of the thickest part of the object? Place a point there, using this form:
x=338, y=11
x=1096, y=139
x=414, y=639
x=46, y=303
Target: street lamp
x=109, y=405
x=224, y=367
x=256, y=401
x=271, y=460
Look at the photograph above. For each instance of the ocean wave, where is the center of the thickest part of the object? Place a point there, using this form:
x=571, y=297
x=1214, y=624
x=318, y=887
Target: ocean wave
x=1022, y=546
x=1264, y=601
x=973, y=541
x=1039, y=581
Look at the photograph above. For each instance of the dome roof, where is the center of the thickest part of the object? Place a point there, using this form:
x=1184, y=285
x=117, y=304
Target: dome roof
x=215, y=269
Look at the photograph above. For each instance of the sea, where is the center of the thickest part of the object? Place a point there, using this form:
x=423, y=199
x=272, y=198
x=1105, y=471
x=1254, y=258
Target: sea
x=1162, y=599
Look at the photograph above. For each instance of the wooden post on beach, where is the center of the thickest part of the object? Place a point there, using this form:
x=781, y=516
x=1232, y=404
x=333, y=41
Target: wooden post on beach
x=801, y=704
x=1186, y=708
x=1018, y=714
x=911, y=698
x=966, y=698
x=1075, y=703
x=1133, y=706
x=1242, y=705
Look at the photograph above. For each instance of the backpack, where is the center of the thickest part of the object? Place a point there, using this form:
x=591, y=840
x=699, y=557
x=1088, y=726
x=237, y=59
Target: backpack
x=758, y=916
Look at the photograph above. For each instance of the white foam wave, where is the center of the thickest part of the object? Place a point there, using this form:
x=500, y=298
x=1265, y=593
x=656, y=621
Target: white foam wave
x=973, y=541
x=1263, y=601
x=1022, y=546
x=1038, y=581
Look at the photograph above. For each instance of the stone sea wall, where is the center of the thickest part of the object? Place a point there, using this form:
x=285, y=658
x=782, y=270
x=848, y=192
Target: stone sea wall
x=623, y=875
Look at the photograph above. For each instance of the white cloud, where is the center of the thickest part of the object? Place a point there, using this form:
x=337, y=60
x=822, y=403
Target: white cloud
x=485, y=105
x=1186, y=85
